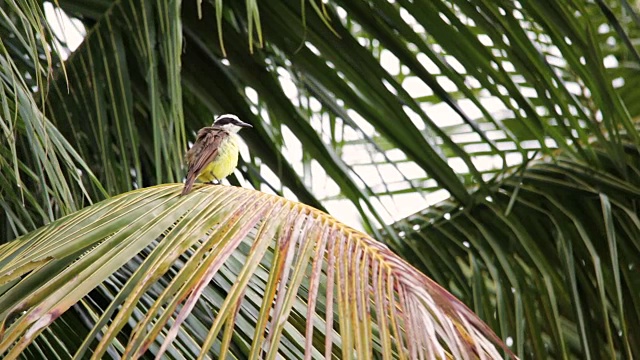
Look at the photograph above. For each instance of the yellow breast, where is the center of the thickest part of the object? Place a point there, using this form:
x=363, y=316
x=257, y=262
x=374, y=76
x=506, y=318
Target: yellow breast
x=224, y=164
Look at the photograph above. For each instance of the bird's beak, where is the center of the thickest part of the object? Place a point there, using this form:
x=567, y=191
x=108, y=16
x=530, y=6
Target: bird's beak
x=244, y=124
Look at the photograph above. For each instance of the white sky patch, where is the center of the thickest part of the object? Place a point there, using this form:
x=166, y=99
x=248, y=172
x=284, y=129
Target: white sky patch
x=244, y=149
x=350, y=134
x=356, y=154
x=319, y=179
x=70, y=31
x=289, y=194
x=408, y=204
x=528, y=92
x=458, y=165
x=556, y=60
x=442, y=114
x=428, y=65
x=573, y=88
x=465, y=137
x=618, y=82
x=265, y=116
x=604, y=28
x=292, y=149
x=390, y=61
x=610, y=61
x=345, y=211
x=486, y=162
x=485, y=40
x=495, y=135
x=361, y=122
x=390, y=173
x=508, y=66
x=370, y=174
x=493, y=104
x=288, y=86
x=469, y=108
x=395, y=155
x=415, y=87
x=447, y=84
x=251, y=94
x=396, y=207
x=407, y=17
x=311, y=47
x=455, y=64
x=475, y=148
x=389, y=87
x=415, y=118
x=270, y=177
x=315, y=105
x=411, y=170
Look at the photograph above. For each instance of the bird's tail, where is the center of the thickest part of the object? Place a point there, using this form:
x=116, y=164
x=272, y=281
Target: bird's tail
x=188, y=184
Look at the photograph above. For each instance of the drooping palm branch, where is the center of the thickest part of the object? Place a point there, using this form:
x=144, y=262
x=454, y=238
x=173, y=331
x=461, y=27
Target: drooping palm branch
x=224, y=272
x=551, y=252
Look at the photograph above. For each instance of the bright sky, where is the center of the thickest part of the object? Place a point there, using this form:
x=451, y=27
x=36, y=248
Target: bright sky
x=70, y=31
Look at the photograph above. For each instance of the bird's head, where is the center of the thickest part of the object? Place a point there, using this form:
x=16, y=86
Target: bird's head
x=230, y=123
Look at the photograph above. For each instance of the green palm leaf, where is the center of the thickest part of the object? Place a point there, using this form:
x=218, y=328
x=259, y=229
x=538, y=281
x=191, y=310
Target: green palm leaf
x=41, y=174
x=557, y=243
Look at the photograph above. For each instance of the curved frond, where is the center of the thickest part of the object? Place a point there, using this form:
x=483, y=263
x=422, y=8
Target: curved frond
x=551, y=254
x=222, y=272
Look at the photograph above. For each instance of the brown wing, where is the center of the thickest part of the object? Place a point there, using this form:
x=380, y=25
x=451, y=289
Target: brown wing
x=203, y=151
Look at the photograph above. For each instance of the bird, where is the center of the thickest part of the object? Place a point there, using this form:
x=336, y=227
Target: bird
x=214, y=154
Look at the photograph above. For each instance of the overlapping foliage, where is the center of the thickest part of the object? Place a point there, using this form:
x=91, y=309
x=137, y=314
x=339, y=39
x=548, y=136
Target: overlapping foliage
x=552, y=252
x=471, y=96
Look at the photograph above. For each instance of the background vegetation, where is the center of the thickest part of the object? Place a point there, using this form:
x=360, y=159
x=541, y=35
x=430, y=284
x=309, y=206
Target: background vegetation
x=523, y=116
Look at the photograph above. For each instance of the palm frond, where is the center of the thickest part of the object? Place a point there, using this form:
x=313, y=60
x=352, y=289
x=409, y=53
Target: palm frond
x=549, y=255
x=222, y=272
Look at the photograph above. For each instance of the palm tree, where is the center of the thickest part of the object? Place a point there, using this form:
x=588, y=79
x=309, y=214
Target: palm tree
x=522, y=116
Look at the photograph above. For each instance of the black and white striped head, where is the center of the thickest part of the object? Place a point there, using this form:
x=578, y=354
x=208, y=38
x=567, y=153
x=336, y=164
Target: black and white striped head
x=230, y=123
